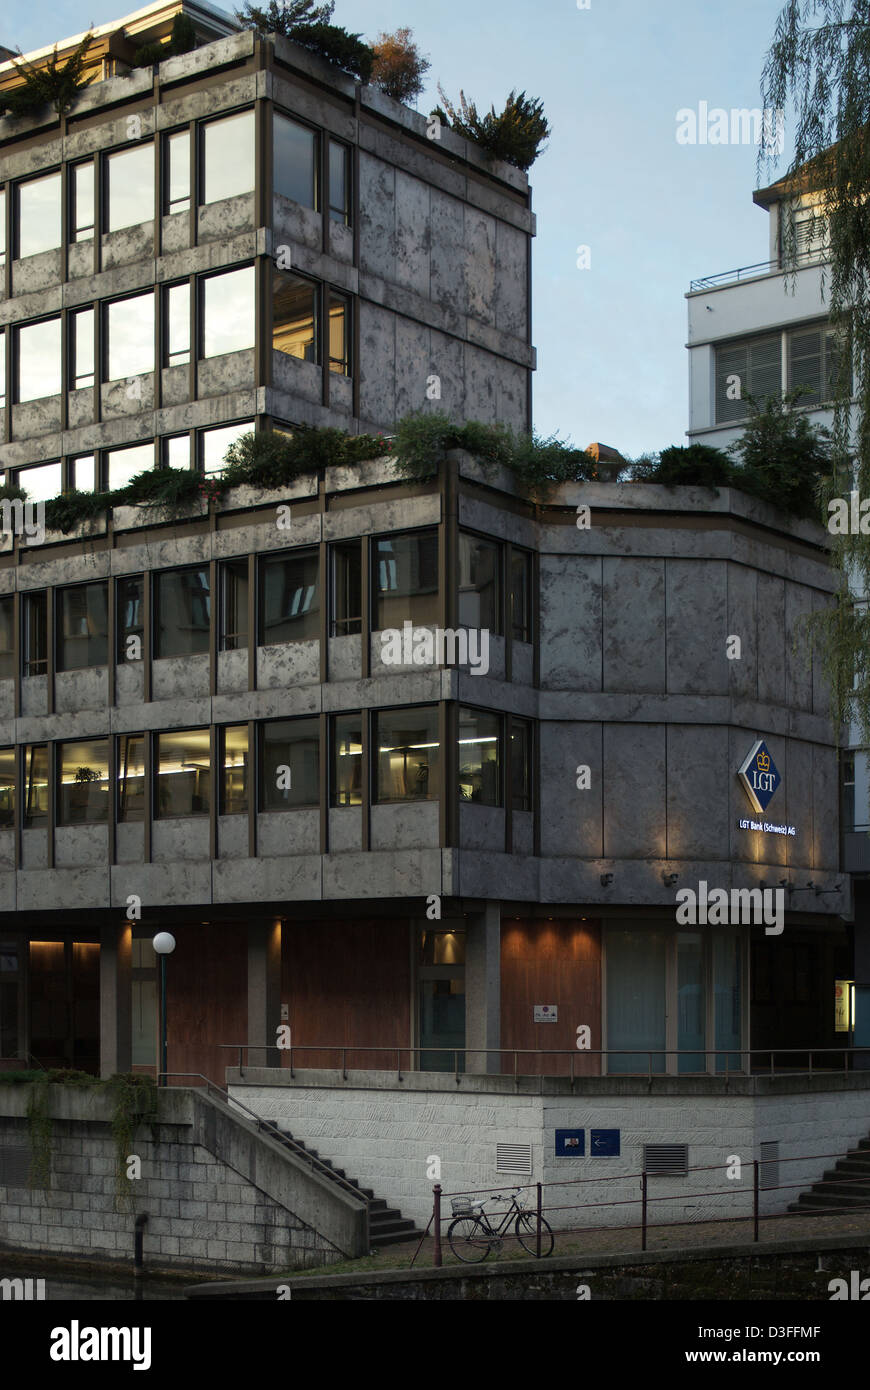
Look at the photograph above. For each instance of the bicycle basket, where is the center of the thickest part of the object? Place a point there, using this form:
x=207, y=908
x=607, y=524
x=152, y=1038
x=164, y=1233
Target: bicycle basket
x=463, y=1206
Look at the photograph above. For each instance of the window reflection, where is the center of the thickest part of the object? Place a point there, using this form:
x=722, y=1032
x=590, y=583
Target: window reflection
x=130, y=600
x=83, y=770
x=294, y=317
x=295, y=161
x=82, y=183
x=83, y=626
x=479, y=757
x=130, y=336
x=228, y=312
x=183, y=612
x=228, y=157
x=131, y=778
x=39, y=216
x=130, y=187
x=178, y=172
x=406, y=579
x=346, y=777
x=234, y=769
x=289, y=764
x=408, y=754
x=35, y=784
x=183, y=773
x=39, y=369
x=290, y=599
x=7, y=788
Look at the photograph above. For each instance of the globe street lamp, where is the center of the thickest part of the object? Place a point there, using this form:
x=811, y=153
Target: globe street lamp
x=164, y=945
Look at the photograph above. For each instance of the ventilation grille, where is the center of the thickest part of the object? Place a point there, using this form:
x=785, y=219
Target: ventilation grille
x=665, y=1158
x=769, y=1169
x=514, y=1158
x=14, y=1167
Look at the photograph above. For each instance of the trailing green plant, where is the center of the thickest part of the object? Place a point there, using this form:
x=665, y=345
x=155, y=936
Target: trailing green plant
x=421, y=442
x=134, y=1100
x=40, y=1130
x=12, y=492
x=692, y=465
x=271, y=459
x=53, y=83
x=71, y=508
x=183, y=40
x=307, y=24
x=399, y=67
x=514, y=135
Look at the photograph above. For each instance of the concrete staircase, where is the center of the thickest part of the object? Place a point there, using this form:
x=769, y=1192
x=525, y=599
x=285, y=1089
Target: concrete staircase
x=387, y=1226
x=845, y=1186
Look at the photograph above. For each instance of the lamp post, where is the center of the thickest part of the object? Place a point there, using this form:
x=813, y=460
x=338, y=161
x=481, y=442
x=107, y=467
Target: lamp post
x=164, y=945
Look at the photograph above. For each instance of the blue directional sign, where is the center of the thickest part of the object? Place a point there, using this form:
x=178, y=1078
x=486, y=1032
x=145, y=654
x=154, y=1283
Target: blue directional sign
x=604, y=1143
x=570, y=1143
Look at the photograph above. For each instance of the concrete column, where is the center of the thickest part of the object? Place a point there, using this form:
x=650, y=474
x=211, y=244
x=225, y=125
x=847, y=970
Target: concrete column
x=483, y=988
x=264, y=993
x=116, y=998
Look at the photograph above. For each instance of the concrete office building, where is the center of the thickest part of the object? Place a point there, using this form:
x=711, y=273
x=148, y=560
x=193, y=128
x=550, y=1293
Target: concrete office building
x=428, y=863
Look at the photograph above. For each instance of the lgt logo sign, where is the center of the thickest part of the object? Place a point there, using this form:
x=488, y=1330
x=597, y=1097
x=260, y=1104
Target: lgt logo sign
x=759, y=776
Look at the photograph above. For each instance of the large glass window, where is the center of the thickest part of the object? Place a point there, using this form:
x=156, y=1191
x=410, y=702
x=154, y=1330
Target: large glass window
x=34, y=632
x=346, y=771
x=177, y=151
x=521, y=765
x=479, y=583
x=82, y=349
x=346, y=588
x=183, y=612
x=289, y=764
x=183, y=773
x=129, y=598
x=228, y=157
x=131, y=778
x=405, y=579
x=83, y=626
x=83, y=773
x=124, y=464
x=233, y=755
x=82, y=186
x=234, y=605
x=480, y=757
x=130, y=336
x=295, y=161
x=228, y=312
x=636, y=1017
x=294, y=316
x=815, y=361
x=339, y=333
x=35, y=784
x=728, y=994
x=213, y=444
x=7, y=637
x=177, y=321
x=83, y=473
x=408, y=762
x=2, y=363
x=38, y=360
x=2, y=227
x=39, y=216
x=750, y=368
x=129, y=187
x=339, y=182
x=691, y=1002
x=521, y=595
x=176, y=451
x=7, y=790
x=289, y=598
x=40, y=483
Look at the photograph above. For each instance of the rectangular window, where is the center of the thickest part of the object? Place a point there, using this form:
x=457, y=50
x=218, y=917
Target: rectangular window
x=289, y=764
x=228, y=157
x=124, y=464
x=7, y=788
x=339, y=182
x=39, y=215
x=176, y=451
x=294, y=317
x=346, y=589
x=129, y=600
x=295, y=161
x=177, y=324
x=184, y=773
x=2, y=367
x=339, y=333
x=35, y=784
x=521, y=765
x=83, y=626
x=129, y=325
x=408, y=761
x=234, y=769
x=346, y=771
x=289, y=598
x=82, y=349
x=34, y=632
x=636, y=992
x=130, y=187
x=84, y=473
x=405, y=579
x=751, y=368
x=131, y=778
x=815, y=359
x=480, y=757
x=2, y=227
x=7, y=637
x=82, y=190
x=38, y=360
x=234, y=605
x=177, y=152
x=228, y=312
x=521, y=595
x=213, y=444
x=83, y=773
x=40, y=483
x=847, y=807
x=182, y=603
x=479, y=583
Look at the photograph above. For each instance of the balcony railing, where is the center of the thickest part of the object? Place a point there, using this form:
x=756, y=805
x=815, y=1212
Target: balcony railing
x=753, y=272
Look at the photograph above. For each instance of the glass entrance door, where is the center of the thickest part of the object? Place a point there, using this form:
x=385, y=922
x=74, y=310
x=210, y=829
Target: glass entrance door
x=441, y=999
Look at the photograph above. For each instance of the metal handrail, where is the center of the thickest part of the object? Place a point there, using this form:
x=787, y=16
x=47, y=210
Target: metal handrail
x=809, y=1052
x=287, y=1140
x=709, y=282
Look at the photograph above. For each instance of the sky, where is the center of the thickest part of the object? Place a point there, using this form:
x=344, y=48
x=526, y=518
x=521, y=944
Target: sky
x=653, y=212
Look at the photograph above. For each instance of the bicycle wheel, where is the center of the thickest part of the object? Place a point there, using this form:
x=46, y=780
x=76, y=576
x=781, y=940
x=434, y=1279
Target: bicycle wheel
x=468, y=1239
x=526, y=1231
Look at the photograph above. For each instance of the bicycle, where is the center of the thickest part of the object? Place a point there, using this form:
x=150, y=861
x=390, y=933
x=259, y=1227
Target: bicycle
x=472, y=1236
